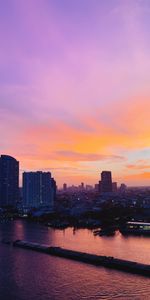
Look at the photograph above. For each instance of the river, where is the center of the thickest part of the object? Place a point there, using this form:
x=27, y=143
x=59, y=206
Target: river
x=27, y=275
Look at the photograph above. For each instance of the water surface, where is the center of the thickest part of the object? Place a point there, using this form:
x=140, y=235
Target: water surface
x=27, y=275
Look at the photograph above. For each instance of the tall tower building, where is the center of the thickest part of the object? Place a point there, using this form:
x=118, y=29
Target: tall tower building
x=39, y=189
x=106, y=182
x=9, y=181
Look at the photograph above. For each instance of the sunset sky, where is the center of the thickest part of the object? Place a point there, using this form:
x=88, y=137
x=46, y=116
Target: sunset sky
x=75, y=88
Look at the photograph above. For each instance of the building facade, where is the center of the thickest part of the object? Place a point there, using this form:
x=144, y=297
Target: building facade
x=9, y=181
x=39, y=189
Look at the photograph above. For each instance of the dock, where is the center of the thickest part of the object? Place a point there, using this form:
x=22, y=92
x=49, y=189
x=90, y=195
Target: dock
x=97, y=260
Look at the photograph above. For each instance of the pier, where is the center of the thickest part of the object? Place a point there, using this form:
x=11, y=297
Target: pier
x=98, y=260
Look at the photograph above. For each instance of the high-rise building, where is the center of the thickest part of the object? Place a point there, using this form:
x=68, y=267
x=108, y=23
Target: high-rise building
x=106, y=182
x=9, y=181
x=39, y=189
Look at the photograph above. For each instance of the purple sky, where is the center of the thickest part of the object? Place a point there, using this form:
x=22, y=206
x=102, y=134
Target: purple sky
x=74, y=87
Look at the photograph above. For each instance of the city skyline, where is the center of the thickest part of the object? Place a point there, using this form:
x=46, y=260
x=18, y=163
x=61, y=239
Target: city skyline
x=104, y=175
x=74, y=88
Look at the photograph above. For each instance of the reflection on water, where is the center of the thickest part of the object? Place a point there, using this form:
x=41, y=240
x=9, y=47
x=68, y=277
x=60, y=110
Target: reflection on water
x=29, y=275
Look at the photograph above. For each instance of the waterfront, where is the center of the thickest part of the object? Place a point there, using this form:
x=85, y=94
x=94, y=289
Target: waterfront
x=42, y=277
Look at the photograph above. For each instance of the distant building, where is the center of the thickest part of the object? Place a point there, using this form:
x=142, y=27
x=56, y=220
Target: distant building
x=53, y=188
x=64, y=187
x=106, y=182
x=89, y=187
x=122, y=188
x=9, y=181
x=82, y=185
x=100, y=186
x=96, y=187
x=114, y=187
x=39, y=189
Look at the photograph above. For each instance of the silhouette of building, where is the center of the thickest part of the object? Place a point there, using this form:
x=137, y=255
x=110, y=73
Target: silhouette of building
x=82, y=185
x=88, y=187
x=96, y=187
x=39, y=189
x=64, y=187
x=114, y=187
x=122, y=188
x=53, y=189
x=106, y=182
x=99, y=186
x=9, y=181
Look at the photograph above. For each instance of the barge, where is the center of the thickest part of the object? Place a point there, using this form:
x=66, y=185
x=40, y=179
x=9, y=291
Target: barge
x=138, y=228
x=98, y=260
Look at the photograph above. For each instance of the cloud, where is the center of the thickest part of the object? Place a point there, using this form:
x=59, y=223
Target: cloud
x=139, y=165
x=66, y=169
x=76, y=156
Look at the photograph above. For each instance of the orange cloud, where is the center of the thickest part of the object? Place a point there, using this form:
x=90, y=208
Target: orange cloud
x=138, y=167
x=65, y=143
x=76, y=156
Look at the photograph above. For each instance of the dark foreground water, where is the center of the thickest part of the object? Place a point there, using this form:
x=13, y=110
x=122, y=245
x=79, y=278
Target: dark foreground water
x=27, y=275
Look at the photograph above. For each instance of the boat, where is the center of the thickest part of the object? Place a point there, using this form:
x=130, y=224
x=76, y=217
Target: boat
x=56, y=225
x=105, y=232
x=138, y=228
x=96, y=232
